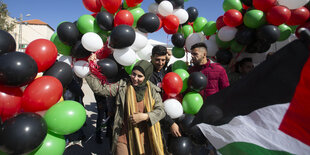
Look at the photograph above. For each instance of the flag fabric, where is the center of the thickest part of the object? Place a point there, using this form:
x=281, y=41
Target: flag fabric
x=267, y=112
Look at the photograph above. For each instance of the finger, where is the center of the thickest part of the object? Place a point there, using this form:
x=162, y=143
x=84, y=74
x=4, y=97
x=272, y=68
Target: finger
x=178, y=134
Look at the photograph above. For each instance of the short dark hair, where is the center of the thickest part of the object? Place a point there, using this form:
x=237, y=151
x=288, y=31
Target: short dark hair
x=159, y=50
x=198, y=45
x=245, y=60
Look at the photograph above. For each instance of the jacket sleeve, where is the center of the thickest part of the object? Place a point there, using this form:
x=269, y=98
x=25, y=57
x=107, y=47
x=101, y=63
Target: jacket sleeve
x=223, y=82
x=105, y=89
x=167, y=120
x=158, y=112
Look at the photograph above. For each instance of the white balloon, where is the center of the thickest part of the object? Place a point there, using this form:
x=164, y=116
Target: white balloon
x=81, y=68
x=165, y=8
x=145, y=53
x=173, y=108
x=213, y=37
x=66, y=59
x=193, y=39
x=227, y=33
x=125, y=56
x=212, y=47
x=181, y=14
x=153, y=8
x=91, y=41
x=140, y=41
x=293, y=4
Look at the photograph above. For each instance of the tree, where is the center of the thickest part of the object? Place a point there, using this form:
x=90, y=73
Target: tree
x=5, y=24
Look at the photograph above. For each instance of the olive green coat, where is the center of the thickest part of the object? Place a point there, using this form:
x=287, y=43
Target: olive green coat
x=119, y=90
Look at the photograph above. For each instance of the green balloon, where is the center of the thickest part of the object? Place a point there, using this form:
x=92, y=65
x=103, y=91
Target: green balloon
x=128, y=69
x=2, y=153
x=137, y=12
x=53, y=144
x=236, y=47
x=210, y=28
x=104, y=35
x=179, y=64
x=222, y=44
x=61, y=47
x=294, y=27
x=192, y=102
x=52, y=39
x=254, y=19
x=184, y=76
x=87, y=23
x=199, y=24
x=178, y=52
x=65, y=117
x=285, y=32
x=232, y=4
x=187, y=30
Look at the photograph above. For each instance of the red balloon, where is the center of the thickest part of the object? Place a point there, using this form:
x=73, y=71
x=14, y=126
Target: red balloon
x=161, y=18
x=299, y=16
x=133, y=3
x=264, y=5
x=94, y=14
x=232, y=18
x=172, y=84
x=41, y=94
x=179, y=97
x=92, y=5
x=171, y=22
x=44, y=52
x=111, y=5
x=220, y=22
x=278, y=15
x=123, y=17
x=10, y=101
x=245, y=7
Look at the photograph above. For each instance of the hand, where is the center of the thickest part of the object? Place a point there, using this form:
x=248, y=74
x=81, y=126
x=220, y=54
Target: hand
x=175, y=130
x=92, y=57
x=138, y=117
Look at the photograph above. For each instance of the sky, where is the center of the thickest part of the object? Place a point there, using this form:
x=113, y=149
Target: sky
x=54, y=12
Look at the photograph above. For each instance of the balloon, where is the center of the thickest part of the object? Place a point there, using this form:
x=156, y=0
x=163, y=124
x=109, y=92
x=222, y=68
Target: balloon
x=236, y=47
x=158, y=1
x=223, y=57
x=92, y=5
x=173, y=108
x=268, y=33
x=199, y=24
x=298, y=16
x=53, y=37
x=140, y=41
x=111, y=5
x=210, y=28
x=123, y=17
x=278, y=15
x=192, y=14
x=92, y=41
x=232, y=4
x=179, y=64
x=222, y=44
x=305, y=25
x=293, y=4
x=180, y=145
x=44, y=52
x=197, y=81
x=170, y=31
x=10, y=101
x=184, y=76
x=133, y=3
x=171, y=22
x=62, y=71
x=245, y=36
x=172, y=84
x=66, y=59
x=187, y=30
x=87, y=23
x=137, y=13
x=178, y=40
x=193, y=39
x=65, y=117
x=165, y=8
x=81, y=68
x=125, y=56
x=108, y=67
x=128, y=69
x=53, y=144
x=153, y=8
x=212, y=47
x=285, y=32
x=192, y=102
x=78, y=51
x=68, y=33
x=22, y=133
x=177, y=3
x=122, y=36
x=148, y=23
x=61, y=47
x=220, y=22
x=227, y=33
x=258, y=46
x=254, y=18
x=247, y=2
x=178, y=52
x=185, y=122
x=145, y=53
x=181, y=14
x=264, y=5
x=232, y=18
x=7, y=42
x=105, y=20
x=17, y=69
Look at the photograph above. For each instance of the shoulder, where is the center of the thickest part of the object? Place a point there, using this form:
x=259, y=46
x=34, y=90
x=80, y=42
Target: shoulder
x=154, y=88
x=218, y=66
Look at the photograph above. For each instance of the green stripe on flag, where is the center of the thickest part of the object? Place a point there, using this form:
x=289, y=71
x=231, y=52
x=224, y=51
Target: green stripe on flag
x=242, y=148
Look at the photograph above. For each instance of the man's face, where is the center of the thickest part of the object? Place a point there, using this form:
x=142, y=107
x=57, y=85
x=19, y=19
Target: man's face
x=158, y=61
x=169, y=54
x=246, y=67
x=197, y=55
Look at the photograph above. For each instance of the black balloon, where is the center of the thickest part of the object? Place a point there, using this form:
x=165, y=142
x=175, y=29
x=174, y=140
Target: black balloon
x=22, y=133
x=192, y=14
x=197, y=136
x=7, y=42
x=185, y=122
x=78, y=51
x=223, y=56
x=178, y=40
x=268, y=33
x=122, y=36
x=158, y=1
x=148, y=23
x=180, y=146
x=62, y=71
x=177, y=3
x=108, y=67
x=68, y=33
x=245, y=36
x=105, y=20
x=247, y=2
x=17, y=69
x=259, y=46
x=197, y=81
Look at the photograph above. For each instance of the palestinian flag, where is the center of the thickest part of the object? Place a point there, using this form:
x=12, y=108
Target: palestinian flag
x=267, y=112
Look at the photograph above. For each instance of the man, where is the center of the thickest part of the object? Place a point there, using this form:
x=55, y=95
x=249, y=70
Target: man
x=168, y=57
x=215, y=73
